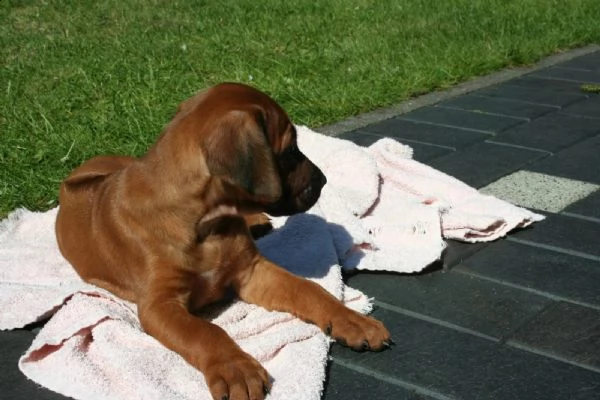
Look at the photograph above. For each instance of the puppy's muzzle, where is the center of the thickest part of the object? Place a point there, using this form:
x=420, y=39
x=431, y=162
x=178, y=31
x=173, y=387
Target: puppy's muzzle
x=309, y=196
x=303, y=197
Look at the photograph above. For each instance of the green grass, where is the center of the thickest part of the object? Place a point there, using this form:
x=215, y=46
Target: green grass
x=83, y=77
x=590, y=88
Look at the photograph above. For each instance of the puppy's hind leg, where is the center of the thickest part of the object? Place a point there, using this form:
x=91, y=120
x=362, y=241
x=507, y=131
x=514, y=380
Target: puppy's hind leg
x=97, y=167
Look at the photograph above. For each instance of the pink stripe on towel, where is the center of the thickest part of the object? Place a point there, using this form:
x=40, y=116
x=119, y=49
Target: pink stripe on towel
x=380, y=210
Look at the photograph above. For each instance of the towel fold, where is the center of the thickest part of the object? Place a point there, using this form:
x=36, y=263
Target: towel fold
x=380, y=210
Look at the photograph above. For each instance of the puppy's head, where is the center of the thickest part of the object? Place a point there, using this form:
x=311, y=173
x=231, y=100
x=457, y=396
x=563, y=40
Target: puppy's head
x=248, y=140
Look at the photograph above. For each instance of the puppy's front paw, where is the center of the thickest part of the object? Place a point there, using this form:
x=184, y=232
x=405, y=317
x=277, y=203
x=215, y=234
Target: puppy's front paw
x=359, y=332
x=237, y=377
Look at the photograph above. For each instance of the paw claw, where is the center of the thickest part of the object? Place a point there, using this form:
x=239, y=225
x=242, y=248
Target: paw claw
x=238, y=376
x=359, y=332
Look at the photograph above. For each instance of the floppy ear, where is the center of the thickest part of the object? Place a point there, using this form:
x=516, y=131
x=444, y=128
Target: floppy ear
x=239, y=152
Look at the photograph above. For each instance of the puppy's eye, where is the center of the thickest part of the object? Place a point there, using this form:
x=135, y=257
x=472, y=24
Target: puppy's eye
x=290, y=157
x=290, y=150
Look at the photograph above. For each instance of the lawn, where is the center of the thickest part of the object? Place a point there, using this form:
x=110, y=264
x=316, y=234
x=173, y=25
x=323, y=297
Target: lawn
x=80, y=78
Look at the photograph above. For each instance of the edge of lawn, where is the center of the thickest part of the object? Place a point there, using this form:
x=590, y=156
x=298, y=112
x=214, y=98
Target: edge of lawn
x=381, y=114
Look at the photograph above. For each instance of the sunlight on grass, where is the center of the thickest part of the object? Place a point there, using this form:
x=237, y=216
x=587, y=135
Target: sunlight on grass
x=89, y=77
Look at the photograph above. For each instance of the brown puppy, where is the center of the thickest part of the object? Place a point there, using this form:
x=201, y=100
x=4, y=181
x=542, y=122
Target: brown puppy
x=170, y=231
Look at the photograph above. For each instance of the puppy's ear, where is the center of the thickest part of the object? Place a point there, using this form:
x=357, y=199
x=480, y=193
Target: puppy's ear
x=239, y=152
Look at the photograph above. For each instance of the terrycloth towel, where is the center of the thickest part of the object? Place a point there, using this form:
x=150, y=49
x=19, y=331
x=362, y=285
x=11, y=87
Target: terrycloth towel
x=380, y=210
x=396, y=210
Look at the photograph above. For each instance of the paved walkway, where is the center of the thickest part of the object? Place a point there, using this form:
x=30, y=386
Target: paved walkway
x=515, y=319
x=518, y=318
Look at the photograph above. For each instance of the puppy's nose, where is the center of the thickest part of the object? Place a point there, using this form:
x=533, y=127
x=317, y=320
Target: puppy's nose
x=318, y=179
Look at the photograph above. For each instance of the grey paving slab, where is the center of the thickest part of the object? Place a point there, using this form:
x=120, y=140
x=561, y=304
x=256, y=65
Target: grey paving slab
x=550, y=273
x=13, y=384
x=551, y=132
x=548, y=84
x=536, y=95
x=589, y=206
x=485, y=162
x=566, y=331
x=462, y=366
x=361, y=138
x=589, y=107
x=540, y=191
x=569, y=74
x=422, y=152
x=565, y=234
x=580, y=161
x=402, y=129
x=467, y=301
x=477, y=121
x=590, y=62
x=456, y=252
x=507, y=107
x=345, y=383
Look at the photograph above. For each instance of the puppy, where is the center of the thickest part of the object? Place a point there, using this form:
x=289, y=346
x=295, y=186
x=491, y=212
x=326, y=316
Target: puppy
x=171, y=231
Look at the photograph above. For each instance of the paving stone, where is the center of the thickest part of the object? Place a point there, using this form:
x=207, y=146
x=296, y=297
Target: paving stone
x=479, y=122
x=589, y=107
x=472, y=303
x=590, y=62
x=569, y=74
x=457, y=251
x=525, y=94
x=484, y=163
x=463, y=366
x=589, y=206
x=401, y=129
x=499, y=106
x=580, y=161
x=551, y=273
x=539, y=191
x=564, y=232
x=364, y=139
x=550, y=132
x=548, y=84
x=567, y=331
x=13, y=384
x=422, y=152
x=344, y=383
